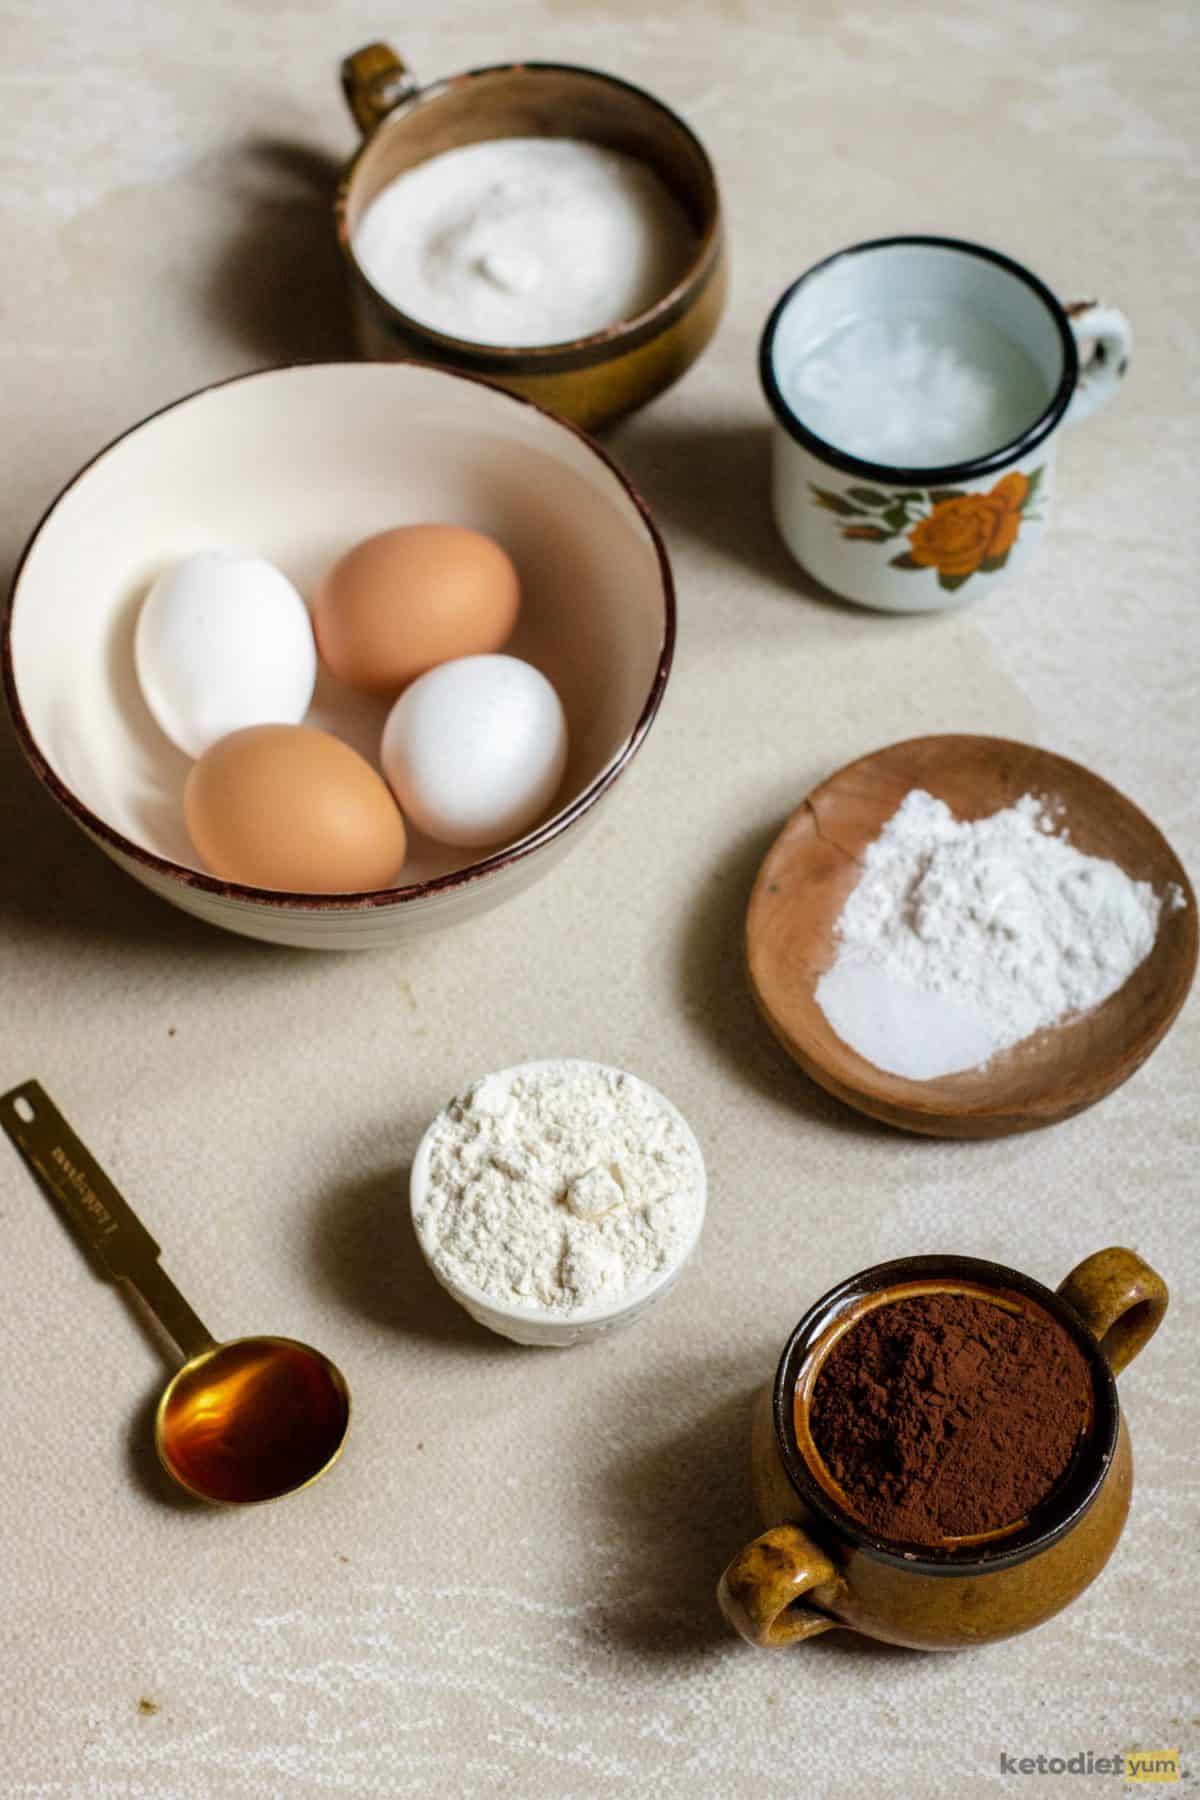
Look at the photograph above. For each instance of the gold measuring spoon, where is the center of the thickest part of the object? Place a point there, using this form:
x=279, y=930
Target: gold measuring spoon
x=249, y=1420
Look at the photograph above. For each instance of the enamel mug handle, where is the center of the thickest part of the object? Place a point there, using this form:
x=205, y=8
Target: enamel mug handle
x=1100, y=374
x=761, y=1592
x=1121, y=1300
x=375, y=82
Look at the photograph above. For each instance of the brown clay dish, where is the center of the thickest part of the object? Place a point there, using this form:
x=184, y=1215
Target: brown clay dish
x=815, y=1567
x=815, y=862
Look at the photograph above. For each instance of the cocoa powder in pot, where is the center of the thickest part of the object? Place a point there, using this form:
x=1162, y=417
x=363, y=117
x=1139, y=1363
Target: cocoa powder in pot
x=945, y=1415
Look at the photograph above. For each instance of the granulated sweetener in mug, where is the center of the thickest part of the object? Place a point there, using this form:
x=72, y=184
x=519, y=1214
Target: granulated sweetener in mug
x=964, y=937
x=523, y=241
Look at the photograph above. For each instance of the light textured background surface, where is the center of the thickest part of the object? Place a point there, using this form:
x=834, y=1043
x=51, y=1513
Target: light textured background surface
x=507, y=1585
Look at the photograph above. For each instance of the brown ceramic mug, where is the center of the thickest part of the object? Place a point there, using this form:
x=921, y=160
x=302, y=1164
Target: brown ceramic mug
x=591, y=380
x=817, y=1568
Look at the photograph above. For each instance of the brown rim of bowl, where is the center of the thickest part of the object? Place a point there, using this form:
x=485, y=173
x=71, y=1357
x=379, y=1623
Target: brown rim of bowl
x=571, y=353
x=1064, y=1506
x=280, y=898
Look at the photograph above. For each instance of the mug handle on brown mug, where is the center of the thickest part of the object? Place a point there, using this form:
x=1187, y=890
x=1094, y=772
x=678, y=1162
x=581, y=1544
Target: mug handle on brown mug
x=762, y=1590
x=375, y=81
x=1120, y=1299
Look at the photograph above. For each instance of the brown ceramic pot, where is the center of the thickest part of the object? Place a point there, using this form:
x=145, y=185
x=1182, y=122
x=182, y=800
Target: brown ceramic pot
x=592, y=380
x=816, y=1567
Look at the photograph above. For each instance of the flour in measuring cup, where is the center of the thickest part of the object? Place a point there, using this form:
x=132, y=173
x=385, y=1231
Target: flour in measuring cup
x=563, y=1185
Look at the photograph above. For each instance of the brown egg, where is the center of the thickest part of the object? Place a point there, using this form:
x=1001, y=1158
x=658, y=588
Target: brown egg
x=405, y=600
x=286, y=806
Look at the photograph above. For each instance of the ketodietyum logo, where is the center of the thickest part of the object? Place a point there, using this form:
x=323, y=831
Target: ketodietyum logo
x=1131, y=1765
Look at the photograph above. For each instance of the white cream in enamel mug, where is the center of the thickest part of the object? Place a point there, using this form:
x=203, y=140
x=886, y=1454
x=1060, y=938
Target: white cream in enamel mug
x=911, y=514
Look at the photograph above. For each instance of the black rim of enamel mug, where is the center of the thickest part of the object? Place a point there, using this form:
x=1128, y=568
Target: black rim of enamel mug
x=1063, y=1508
x=944, y=473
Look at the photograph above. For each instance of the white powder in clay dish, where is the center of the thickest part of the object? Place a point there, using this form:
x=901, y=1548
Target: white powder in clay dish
x=523, y=241
x=964, y=937
x=563, y=1186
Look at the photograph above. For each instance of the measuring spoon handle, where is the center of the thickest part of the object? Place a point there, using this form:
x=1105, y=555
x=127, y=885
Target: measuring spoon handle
x=100, y=1217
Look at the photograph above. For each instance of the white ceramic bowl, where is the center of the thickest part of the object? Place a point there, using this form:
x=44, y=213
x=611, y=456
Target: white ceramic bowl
x=297, y=464
x=537, y=1325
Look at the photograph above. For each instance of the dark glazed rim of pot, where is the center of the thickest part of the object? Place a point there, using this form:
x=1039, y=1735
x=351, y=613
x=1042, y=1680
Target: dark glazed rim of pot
x=283, y=899
x=572, y=353
x=1059, y=1514
x=895, y=474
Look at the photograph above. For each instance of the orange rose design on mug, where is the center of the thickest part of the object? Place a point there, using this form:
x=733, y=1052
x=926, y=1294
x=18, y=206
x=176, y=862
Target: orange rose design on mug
x=956, y=533
x=972, y=530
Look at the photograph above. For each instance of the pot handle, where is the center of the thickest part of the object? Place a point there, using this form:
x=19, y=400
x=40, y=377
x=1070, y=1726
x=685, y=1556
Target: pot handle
x=1110, y=335
x=375, y=81
x=1121, y=1300
x=761, y=1591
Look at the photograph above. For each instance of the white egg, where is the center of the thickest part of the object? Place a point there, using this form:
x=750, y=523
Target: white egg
x=224, y=641
x=475, y=749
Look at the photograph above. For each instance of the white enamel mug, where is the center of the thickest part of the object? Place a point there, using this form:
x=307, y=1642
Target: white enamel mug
x=917, y=538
